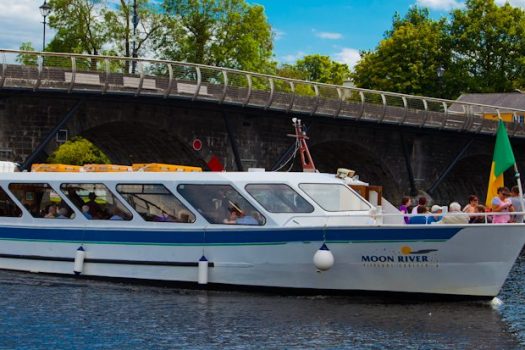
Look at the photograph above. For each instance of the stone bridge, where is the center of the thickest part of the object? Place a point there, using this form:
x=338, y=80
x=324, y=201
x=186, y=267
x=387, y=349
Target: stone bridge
x=408, y=144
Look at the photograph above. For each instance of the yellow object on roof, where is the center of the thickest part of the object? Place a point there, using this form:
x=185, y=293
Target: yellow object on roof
x=106, y=168
x=506, y=117
x=56, y=168
x=158, y=167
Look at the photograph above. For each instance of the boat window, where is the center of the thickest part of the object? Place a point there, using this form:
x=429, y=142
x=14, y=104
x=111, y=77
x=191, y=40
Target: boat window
x=96, y=202
x=221, y=204
x=41, y=201
x=154, y=202
x=7, y=207
x=334, y=197
x=279, y=198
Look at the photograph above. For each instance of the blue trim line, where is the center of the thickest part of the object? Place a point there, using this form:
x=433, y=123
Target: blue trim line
x=229, y=236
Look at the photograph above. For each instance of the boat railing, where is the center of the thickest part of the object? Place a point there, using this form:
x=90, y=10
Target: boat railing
x=487, y=216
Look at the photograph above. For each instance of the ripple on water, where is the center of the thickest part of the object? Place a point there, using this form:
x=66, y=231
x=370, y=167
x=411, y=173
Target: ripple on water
x=42, y=312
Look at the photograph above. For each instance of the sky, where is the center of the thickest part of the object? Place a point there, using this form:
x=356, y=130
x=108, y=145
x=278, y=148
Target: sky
x=336, y=28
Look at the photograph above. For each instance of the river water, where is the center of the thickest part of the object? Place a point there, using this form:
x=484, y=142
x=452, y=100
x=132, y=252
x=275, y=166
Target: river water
x=46, y=312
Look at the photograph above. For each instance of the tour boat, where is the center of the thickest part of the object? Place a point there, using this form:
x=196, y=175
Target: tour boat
x=289, y=231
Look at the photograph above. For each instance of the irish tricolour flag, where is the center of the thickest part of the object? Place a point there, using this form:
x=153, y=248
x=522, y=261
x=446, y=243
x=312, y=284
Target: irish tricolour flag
x=502, y=160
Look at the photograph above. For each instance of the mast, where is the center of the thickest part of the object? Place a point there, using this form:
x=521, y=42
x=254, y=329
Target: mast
x=306, y=159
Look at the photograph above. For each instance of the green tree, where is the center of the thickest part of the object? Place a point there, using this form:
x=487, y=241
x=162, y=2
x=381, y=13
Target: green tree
x=322, y=69
x=80, y=26
x=78, y=151
x=407, y=59
x=27, y=59
x=488, y=45
x=226, y=33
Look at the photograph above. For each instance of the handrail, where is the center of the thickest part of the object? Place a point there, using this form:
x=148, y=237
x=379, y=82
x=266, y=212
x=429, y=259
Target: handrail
x=260, y=75
x=324, y=99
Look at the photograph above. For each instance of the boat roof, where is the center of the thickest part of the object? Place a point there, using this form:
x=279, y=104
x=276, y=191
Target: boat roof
x=258, y=176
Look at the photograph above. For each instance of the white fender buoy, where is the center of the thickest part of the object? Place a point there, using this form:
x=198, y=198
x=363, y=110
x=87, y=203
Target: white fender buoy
x=79, y=260
x=323, y=258
x=203, y=270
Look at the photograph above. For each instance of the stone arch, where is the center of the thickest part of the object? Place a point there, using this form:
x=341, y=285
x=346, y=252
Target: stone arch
x=330, y=155
x=135, y=142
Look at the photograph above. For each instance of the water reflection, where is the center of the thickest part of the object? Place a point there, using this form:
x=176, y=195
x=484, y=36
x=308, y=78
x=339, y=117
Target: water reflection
x=41, y=312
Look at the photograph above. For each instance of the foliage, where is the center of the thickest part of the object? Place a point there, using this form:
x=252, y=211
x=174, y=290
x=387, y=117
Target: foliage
x=27, y=59
x=78, y=151
x=481, y=48
x=80, y=26
x=226, y=33
x=488, y=43
x=407, y=59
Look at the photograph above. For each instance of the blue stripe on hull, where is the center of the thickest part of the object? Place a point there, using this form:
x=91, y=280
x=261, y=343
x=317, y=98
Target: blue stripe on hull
x=248, y=236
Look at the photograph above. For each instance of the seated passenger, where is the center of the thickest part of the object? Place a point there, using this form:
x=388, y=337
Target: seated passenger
x=85, y=211
x=237, y=216
x=436, y=216
x=62, y=213
x=455, y=215
x=117, y=214
x=421, y=218
x=479, y=219
x=51, y=211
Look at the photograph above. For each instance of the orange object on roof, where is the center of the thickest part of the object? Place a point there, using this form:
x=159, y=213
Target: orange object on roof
x=106, y=168
x=55, y=168
x=159, y=167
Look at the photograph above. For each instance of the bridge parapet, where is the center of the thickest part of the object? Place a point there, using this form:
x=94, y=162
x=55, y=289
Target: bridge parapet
x=68, y=73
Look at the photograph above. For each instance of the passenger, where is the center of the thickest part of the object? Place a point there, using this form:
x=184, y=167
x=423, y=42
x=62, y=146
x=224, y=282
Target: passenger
x=237, y=216
x=516, y=204
x=51, y=211
x=94, y=208
x=455, y=215
x=421, y=218
x=472, y=205
x=405, y=204
x=502, y=204
x=422, y=202
x=62, y=213
x=436, y=216
x=479, y=219
x=85, y=211
x=117, y=214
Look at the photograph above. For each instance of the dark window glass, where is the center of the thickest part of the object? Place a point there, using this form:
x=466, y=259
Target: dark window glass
x=41, y=201
x=96, y=202
x=221, y=204
x=279, y=198
x=154, y=202
x=7, y=206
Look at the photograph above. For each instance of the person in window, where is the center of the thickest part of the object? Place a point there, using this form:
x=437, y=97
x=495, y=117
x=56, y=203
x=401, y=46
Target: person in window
x=94, y=208
x=85, y=211
x=62, y=213
x=51, y=211
x=238, y=216
x=117, y=214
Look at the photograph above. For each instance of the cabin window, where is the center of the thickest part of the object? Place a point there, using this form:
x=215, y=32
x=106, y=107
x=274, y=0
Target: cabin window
x=7, y=207
x=96, y=202
x=41, y=201
x=335, y=197
x=279, y=198
x=155, y=203
x=221, y=204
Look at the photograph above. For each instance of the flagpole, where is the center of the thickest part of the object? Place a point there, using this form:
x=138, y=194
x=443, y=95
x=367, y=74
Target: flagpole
x=517, y=175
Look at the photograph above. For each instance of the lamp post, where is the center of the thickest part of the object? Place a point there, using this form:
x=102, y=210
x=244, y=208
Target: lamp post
x=134, y=49
x=45, y=9
x=440, y=71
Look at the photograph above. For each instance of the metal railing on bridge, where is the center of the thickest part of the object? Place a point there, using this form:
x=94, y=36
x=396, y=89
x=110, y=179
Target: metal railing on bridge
x=168, y=79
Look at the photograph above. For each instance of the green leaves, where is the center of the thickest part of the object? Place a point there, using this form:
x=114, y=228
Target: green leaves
x=481, y=48
x=78, y=151
x=227, y=33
